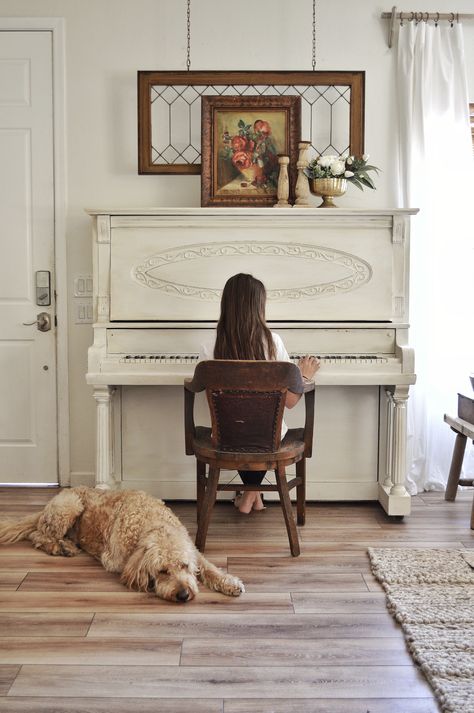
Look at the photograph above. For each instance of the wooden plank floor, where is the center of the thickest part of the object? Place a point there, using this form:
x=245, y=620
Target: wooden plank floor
x=311, y=635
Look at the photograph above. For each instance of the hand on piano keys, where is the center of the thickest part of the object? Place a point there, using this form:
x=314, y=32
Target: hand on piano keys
x=308, y=365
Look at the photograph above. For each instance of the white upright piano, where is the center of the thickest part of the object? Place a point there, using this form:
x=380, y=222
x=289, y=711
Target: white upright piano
x=337, y=284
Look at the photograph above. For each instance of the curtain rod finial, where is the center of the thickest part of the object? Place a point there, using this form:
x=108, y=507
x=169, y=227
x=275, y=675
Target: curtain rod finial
x=391, y=26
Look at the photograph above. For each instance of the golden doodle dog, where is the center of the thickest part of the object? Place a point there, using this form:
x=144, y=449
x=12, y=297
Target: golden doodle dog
x=129, y=532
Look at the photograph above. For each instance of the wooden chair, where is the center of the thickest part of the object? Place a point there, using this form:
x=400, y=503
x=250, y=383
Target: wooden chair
x=463, y=427
x=246, y=400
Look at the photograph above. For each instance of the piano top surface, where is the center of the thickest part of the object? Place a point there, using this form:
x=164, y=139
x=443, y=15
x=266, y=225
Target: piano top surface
x=274, y=325
x=195, y=210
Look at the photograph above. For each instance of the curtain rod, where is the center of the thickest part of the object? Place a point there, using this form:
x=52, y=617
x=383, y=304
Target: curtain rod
x=422, y=16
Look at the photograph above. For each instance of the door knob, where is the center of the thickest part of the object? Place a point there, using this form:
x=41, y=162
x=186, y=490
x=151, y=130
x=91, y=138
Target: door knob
x=42, y=321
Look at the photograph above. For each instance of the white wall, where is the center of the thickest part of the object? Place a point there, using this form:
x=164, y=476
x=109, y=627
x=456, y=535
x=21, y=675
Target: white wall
x=107, y=41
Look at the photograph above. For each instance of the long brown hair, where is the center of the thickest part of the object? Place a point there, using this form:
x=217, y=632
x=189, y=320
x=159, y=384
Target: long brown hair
x=241, y=331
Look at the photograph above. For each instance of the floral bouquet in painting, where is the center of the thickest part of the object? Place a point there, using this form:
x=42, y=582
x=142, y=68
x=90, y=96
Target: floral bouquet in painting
x=352, y=168
x=252, y=151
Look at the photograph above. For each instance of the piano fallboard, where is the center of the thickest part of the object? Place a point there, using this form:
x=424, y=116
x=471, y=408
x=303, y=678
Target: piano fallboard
x=315, y=265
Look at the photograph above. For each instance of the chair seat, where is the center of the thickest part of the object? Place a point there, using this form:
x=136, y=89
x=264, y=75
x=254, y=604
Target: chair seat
x=291, y=451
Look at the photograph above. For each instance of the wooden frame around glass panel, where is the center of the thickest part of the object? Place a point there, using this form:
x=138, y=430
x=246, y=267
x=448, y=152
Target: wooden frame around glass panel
x=281, y=81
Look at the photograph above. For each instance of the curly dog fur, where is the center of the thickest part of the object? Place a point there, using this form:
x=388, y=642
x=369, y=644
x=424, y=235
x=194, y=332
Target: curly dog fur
x=129, y=532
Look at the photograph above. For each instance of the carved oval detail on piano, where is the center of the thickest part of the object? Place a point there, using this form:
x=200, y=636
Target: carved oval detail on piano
x=319, y=270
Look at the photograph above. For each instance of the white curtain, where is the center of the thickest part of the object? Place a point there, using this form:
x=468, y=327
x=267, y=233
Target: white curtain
x=436, y=175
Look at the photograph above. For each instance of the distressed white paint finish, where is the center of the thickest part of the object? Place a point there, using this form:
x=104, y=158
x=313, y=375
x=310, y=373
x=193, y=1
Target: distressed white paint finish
x=357, y=442
x=316, y=267
x=283, y=189
x=392, y=491
x=345, y=442
x=387, y=482
x=104, y=455
x=28, y=421
x=400, y=398
x=302, y=182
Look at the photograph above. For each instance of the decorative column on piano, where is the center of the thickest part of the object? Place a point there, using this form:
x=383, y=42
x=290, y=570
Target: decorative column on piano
x=104, y=450
x=394, y=495
x=400, y=398
x=103, y=394
x=101, y=262
x=388, y=482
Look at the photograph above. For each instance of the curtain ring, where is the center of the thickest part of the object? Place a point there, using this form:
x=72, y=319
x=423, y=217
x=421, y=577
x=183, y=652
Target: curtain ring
x=412, y=17
x=401, y=19
x=437, y=19
x=427, y=17
x=452, y=19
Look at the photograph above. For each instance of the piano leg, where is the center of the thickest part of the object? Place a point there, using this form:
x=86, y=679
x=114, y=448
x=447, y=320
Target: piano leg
x=388, y=482
x=393, y=494
x=104, y=456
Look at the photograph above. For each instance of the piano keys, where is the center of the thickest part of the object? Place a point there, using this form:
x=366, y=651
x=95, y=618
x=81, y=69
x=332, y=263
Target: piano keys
x=337, y=284
x=151, y=353
x=171, y=369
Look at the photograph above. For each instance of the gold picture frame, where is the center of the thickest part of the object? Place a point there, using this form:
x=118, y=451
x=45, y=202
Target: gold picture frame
x=241, y=140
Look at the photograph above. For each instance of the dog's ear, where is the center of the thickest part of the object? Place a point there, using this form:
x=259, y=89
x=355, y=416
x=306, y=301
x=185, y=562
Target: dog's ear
x=141, y=567
x=137, y=572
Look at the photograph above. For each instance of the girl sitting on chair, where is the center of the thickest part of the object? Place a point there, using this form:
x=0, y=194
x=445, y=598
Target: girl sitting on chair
x=242, y=333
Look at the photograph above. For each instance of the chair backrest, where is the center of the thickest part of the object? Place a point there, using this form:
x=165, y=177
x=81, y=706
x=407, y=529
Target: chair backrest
x=246, y=400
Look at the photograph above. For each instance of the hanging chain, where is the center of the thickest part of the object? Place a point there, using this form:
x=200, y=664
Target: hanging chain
x=314, y=36
x=188, y=35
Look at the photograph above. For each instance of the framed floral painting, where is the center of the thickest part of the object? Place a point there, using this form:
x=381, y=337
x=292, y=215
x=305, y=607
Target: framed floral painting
x=241, y=140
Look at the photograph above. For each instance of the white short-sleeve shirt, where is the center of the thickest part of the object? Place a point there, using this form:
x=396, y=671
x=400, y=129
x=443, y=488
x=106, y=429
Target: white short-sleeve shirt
x=206, y=352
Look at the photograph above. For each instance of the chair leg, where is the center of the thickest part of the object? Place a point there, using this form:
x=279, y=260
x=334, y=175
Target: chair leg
x=301, y=492
x=200, y=486
x=456, y=465
x=287, y=510
x=207, y=505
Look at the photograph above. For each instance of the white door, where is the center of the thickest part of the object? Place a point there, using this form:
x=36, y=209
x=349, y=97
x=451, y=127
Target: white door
x=28, y=430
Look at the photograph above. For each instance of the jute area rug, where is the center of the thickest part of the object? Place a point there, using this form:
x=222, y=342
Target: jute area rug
x=431, y=594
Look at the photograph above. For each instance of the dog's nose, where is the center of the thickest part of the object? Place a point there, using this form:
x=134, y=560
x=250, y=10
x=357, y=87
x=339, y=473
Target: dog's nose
x=182, y=595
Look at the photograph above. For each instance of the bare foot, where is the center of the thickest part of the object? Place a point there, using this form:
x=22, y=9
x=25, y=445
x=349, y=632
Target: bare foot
x=246, y=502
x=258, y=503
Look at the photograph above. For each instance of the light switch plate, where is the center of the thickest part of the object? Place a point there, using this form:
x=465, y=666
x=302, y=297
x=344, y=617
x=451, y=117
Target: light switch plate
x=83, y=286
x=84, y=313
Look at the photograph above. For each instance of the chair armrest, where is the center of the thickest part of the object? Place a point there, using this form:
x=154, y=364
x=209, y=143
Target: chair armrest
x=189, y=426
x=309, y=418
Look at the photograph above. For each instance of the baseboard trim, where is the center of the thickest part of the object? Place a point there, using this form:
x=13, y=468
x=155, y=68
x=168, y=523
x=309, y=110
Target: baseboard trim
x=82, y=478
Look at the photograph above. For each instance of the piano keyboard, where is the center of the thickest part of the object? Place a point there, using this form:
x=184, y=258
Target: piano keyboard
x=175, y=359
x=365, y=356
x=160, y=359
x=171, y=369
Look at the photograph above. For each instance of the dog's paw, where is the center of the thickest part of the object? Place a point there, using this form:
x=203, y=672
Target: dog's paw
x=68, y=548
x=232, y=586
x=51, y=548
